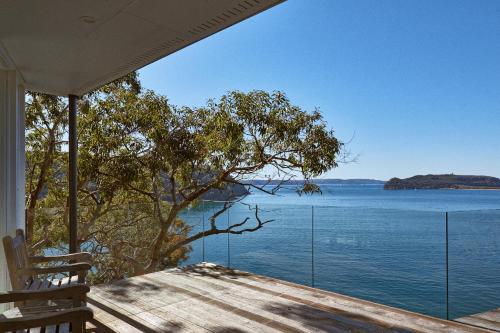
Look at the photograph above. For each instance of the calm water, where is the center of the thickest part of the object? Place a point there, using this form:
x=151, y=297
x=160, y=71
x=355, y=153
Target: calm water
x=384, y=246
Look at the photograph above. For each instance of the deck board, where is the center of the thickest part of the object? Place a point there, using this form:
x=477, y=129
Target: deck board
x=489, y=319
x=210, y=298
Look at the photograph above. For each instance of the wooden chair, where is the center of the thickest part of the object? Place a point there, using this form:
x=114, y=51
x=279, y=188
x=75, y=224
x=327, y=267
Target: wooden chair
x=25, y=275
x=52, y=303
x=47, y=316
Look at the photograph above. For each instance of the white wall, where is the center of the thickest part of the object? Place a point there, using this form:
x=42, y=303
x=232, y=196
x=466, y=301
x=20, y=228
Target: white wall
x=12, y=161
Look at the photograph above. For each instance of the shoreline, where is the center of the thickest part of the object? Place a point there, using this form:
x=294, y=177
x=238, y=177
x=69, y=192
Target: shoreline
x=445, y=188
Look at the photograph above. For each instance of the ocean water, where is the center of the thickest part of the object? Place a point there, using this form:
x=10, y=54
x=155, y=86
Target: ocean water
x=384, y=246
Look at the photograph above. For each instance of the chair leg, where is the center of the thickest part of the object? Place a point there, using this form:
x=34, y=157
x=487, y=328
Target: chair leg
x=77, y=326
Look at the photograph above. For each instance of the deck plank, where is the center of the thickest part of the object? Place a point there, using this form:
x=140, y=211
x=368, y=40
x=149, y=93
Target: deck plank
x=209, y=317
x=209, y=298
x=272, y=307
x=489, y=320
x=347, y=307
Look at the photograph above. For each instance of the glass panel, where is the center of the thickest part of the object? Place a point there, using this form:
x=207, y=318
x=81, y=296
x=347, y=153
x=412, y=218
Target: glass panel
x=194, y=217
x=474, y=262
x=216, y=245
x=281, y=248
x=394, y=257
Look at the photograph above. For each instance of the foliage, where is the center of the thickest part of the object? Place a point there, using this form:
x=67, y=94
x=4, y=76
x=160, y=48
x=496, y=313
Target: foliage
x=142, y=161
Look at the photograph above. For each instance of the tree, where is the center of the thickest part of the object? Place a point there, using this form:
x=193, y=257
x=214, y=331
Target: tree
x=46, y=119
x=135, y=147
x=46, y=161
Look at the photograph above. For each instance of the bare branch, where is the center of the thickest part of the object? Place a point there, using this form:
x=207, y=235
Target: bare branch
x=215, y=231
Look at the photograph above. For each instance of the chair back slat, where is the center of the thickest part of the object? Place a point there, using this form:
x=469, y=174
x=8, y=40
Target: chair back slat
x=17, y=257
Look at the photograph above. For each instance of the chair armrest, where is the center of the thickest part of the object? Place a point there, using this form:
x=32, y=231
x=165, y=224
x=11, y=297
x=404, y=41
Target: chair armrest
x=79, y=257
x=77, y=291
x=76, y=267
x=74, y=315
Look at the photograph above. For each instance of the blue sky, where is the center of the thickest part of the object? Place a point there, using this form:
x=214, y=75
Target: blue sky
x=415, y=83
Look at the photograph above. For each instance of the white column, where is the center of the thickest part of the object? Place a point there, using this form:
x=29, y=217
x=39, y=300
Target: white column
x=12, y=161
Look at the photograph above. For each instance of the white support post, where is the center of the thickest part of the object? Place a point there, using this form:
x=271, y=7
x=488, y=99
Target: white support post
x=12, y=162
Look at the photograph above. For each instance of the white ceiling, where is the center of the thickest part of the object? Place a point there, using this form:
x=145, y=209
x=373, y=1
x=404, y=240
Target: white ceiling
x=49, y=43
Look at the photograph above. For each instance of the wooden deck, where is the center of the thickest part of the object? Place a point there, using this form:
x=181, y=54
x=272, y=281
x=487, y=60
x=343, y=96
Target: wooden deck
x=490, y=320
x=210, y=298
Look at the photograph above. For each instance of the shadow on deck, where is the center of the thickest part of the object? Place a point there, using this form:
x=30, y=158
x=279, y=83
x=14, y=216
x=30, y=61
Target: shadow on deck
x=211, y=298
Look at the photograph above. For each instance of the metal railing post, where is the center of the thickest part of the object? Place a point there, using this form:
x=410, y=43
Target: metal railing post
x=203, y=225
x=228, y=247
x=447, y=271
x=312, y=246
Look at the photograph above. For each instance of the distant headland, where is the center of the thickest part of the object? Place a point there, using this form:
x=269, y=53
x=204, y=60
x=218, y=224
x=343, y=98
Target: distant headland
x=449, y=181
x=352, y=181
x=334, y=181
